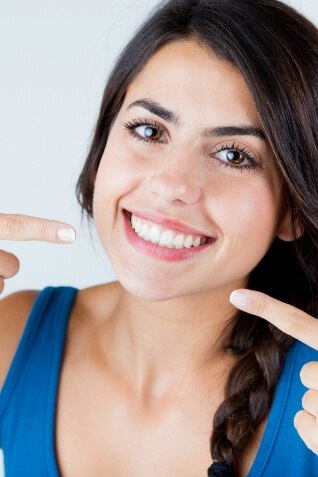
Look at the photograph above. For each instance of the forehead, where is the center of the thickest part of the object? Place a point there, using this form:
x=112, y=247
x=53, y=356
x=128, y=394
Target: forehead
x=190, y=78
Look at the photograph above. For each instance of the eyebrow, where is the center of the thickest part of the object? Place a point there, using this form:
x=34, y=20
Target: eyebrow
x=158, y=110
x=242, y=130
x=171, y=117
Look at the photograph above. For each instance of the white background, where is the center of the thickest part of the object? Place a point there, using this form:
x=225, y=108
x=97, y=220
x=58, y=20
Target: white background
x=55, y=56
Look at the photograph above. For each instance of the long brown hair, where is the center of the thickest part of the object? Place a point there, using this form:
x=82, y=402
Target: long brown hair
x=276, y=50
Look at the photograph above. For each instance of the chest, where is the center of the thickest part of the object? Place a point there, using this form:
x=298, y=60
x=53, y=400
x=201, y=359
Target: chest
x=101, y=432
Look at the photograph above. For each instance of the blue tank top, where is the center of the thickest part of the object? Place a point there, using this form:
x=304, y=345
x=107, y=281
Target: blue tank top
x=29, y=395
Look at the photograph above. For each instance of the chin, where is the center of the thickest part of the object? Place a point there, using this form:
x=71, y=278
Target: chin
x=148, y=290
x=158, y=290
x=148, y=293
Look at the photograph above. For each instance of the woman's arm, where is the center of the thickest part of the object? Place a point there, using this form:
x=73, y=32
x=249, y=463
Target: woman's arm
x=15, y=308
x=14, y=311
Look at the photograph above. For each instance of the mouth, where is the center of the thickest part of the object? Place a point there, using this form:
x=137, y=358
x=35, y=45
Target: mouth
x=168, y=236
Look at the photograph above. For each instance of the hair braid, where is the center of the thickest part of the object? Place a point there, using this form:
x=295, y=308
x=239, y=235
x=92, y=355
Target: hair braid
x=260, y=349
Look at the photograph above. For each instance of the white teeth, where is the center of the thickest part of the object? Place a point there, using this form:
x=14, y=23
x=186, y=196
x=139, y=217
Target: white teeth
x=165, y=238
x=196, y=242
x=137, y=225
x=144, y=231
x=178, y=241
x=154, y=234
x=188, y=241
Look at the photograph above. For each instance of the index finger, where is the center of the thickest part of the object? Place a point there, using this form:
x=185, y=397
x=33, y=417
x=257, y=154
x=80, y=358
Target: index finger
x=287, y=318
x=26, y=227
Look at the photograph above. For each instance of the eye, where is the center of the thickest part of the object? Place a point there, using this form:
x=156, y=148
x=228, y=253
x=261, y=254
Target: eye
x=148, y=132
x=233, y=156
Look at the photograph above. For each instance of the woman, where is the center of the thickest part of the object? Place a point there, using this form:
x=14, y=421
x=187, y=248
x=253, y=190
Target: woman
x=202, y=182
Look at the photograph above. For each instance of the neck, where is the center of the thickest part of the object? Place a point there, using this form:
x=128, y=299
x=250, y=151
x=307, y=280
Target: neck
x=170, y=343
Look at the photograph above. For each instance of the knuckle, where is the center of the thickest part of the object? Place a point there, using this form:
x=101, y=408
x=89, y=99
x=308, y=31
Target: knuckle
x=305, y=400
x=298, y=419
x=307, y=429
x=11, y=225
x=304, y=374
x=296, y=322
x=314, y=439
x=310, y=403
x=259, y=306
x=40, y=230
x=301, y=421
x=9, y=264
x=308, y=374
x=14, y=264
x=43, y=232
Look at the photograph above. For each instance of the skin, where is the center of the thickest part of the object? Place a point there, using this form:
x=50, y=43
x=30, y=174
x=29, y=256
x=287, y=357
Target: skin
x=178, y=179
x=168, y=317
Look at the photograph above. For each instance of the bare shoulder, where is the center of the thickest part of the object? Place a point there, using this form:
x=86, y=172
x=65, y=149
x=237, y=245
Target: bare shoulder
x=14, y=312
x=96, y=302
x=90, y=312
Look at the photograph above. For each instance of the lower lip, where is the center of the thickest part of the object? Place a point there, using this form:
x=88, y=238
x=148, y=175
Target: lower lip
x=156, y=251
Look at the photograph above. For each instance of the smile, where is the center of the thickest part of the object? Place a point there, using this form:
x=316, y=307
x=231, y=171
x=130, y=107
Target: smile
x=168, y=241
x=164, y=237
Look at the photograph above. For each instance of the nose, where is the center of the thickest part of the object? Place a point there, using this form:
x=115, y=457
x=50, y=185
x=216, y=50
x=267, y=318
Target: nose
x=175, y=184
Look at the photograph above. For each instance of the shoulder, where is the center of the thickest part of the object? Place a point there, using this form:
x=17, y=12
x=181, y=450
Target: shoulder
x=91, y=310
x=14, y=312
x=90, y=307
x=97, y=302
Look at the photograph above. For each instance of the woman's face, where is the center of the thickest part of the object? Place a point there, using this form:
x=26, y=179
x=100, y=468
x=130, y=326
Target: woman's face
x=187, y=196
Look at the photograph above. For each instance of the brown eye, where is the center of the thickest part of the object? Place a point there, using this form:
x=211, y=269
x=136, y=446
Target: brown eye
x=235, y=157
x=149, y=132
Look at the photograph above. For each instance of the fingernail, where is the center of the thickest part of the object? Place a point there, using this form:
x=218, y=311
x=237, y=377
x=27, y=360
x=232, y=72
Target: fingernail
x=239, y=299
x=66, y=235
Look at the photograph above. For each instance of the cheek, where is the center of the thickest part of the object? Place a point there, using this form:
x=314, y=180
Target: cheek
x=248, y=216
x=118, y=176
x=255, y=211
x=107, y=180
x=247, y=200
x=112, y=178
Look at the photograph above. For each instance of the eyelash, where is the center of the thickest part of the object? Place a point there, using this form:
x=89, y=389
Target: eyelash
x=253, y=163
x=130, y=127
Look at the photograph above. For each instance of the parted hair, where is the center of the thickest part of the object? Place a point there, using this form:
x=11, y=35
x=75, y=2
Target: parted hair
x=276, y=50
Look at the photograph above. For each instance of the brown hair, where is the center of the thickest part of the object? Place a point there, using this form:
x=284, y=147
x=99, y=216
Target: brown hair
x=276, y=50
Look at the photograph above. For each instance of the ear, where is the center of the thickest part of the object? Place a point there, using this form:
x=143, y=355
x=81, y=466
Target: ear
x=286, y=231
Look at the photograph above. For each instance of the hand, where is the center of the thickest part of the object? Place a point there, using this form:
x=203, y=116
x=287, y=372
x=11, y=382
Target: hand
x=304, y=328
x=23, y=227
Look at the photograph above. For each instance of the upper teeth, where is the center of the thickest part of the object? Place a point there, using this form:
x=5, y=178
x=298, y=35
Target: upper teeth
x=164, y=237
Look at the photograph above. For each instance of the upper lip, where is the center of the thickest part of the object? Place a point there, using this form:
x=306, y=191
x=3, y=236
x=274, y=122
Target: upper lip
x=167, y=222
